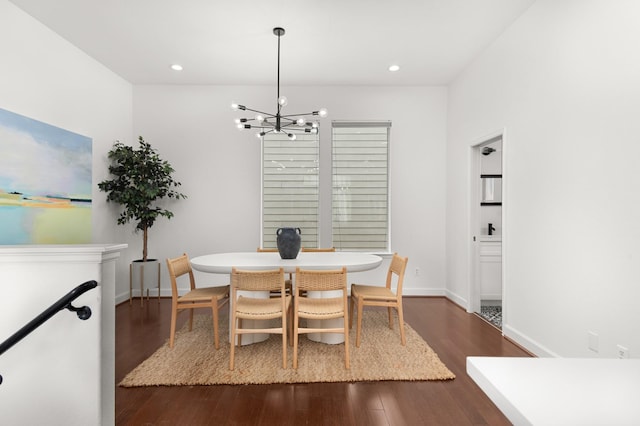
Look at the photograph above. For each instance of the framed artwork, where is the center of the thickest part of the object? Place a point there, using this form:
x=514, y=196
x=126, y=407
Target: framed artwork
x=45, y=183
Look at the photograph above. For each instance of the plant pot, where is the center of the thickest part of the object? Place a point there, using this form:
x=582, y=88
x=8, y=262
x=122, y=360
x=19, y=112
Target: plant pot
x=144, y=275
x=288, y=240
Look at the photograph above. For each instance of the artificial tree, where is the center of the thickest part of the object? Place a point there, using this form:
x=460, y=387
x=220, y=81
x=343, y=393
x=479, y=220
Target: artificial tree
x=141, y=180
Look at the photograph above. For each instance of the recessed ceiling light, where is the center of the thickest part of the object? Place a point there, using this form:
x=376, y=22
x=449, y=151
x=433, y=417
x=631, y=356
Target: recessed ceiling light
x=394, y=68
x=176, y=67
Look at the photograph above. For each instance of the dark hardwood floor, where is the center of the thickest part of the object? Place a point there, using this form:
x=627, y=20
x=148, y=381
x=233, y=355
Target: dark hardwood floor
x=450, y=331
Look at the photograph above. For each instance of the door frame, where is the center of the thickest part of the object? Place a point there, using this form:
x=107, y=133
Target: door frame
x=474, y=191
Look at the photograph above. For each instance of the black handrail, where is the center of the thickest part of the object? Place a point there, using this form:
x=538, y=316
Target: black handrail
x=83, y=313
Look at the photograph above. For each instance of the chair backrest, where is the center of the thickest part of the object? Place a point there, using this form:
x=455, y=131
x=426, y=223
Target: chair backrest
x=397, y=267
x=257, y=280
x=318, y=250
x=179, y=266
x=321, y=280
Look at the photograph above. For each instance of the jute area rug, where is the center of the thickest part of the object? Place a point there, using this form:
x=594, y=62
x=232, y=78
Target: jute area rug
x=195, y=361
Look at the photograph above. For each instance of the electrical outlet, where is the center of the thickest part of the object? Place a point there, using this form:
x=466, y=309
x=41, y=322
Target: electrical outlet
x=623, y=352
x=593, y=341
x=417, y=272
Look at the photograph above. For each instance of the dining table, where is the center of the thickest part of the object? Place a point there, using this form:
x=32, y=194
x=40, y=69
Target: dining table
x=223, y=263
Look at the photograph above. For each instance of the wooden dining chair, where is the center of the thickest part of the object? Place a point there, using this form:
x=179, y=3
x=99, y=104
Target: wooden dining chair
x=369, y=295
x=313, y=308
x=196, y=297
x=288, y=283
x=256, y=308
x=317, y=250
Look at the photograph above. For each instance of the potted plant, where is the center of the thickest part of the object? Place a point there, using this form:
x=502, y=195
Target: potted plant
x=141, y=181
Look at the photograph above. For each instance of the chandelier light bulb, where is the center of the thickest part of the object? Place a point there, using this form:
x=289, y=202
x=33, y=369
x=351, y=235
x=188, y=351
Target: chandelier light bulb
x=322, y=112
x=283, y=101
x=291, y=136
x=237, y=121
x=315, y=124
x=234, y=106
x=259, y=118
x=301, y=121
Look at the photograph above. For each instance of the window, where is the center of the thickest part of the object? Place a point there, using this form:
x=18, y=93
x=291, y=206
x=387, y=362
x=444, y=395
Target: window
x=290, y=187
x=360, y=188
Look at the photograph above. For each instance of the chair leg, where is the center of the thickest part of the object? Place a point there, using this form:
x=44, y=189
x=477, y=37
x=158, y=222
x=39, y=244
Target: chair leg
x=359, y=324
x=401, y=321
x=347, y=362
x=351, y=311
x=284, y=339
x=390, y=312
x=232, y=343
x=216, y=337
x=295, y=341
x=290, y=313
x=172, y=334
x=190, y=319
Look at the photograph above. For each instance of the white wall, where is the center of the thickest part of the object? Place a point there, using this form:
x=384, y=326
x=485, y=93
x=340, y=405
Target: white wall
x=564, y=82
x=219, y=167
x=45, y=78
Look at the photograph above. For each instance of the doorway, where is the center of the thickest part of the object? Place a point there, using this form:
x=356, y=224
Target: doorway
x=487, y=228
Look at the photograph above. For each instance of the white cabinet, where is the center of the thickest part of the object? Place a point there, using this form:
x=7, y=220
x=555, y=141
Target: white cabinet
x=491, y=270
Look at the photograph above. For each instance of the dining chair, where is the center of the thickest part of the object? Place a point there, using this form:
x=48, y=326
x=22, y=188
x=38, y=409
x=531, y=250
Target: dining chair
x=317, y=250
x=258, y=308
x=312, y=308
x=370, y=295
x=288, y=283
x=202, y=297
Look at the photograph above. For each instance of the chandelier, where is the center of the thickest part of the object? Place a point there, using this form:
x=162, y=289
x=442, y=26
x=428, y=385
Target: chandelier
x=291, y=124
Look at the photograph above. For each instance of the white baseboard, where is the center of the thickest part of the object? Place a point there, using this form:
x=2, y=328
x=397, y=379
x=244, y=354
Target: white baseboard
x=153, y=294
x=458, y=300
x=423, y=291
x=124, y=297
x=527, y=343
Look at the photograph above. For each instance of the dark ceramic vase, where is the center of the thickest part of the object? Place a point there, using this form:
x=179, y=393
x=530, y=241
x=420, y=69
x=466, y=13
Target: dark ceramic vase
x=288, y=240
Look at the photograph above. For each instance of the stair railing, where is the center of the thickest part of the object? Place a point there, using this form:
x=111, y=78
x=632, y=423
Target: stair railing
x=64, y=302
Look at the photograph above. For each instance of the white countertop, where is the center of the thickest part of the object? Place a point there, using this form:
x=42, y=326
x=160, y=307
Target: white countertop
x=561, y=391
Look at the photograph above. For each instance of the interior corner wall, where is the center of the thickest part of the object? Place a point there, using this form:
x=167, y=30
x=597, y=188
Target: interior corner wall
x=46, y=78
x=563, y=82
x=220, y=168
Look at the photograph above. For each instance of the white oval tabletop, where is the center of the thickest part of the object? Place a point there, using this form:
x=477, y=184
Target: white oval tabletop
x=222, y=263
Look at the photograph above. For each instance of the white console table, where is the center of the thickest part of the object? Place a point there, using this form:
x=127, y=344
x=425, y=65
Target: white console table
x=561, y=391
x=64, y=371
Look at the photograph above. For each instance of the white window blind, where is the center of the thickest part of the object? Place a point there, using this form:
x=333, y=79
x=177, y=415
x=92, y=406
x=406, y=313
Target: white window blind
x=290, y=188
x=360, y=200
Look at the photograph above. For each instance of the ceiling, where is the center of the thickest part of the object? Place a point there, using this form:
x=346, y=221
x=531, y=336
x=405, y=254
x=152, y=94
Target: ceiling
x=327, y=42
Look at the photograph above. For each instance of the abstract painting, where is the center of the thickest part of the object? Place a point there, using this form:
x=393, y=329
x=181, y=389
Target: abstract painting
x=45, y=183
